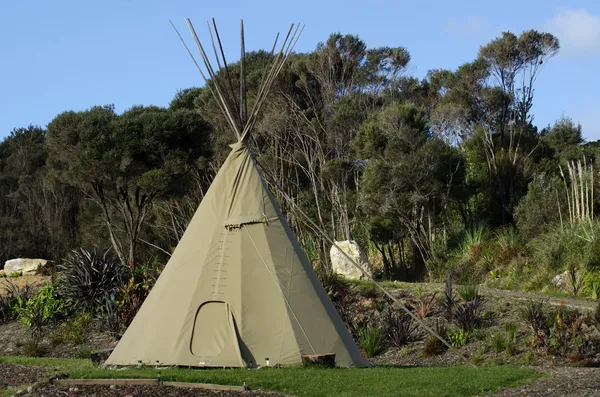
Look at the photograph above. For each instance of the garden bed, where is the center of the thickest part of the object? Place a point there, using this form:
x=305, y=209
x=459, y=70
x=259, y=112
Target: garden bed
x=51, y=390
x=14, y=375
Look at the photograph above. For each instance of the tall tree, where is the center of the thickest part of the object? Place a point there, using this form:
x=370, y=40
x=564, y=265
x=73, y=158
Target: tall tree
x=124, y=162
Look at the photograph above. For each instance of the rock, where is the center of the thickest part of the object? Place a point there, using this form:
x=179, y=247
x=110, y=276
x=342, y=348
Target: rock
x=30, y=389
x=28, y=267
x=100, y=356
x=561, y=281
x=344, y=267
x=113, y=387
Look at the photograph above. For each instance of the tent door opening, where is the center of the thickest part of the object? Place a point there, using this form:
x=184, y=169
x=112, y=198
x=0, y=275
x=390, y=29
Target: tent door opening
x=214, y=331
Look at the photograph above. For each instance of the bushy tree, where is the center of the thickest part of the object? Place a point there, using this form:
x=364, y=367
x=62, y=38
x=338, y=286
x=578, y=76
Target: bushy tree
x=125, y=162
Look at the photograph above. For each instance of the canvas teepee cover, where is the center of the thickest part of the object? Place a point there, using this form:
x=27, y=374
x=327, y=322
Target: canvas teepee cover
x=238, y=289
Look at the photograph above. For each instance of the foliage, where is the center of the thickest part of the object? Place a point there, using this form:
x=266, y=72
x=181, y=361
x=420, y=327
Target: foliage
x=45, y=308
x=424, y=304
x=458, y=338
x=110, y=318
x=591, y=283
x=410, y=168
x=534, y=315
x=401, y=329
x=90, y=278
x=74, y=330
x=469, y=293
x=566, y=331
x=506, y=341
x=448, y=301
x=472, y=244
x=540, y=209
x=574, y=280
x=10, y=297
x=332, y=282
x=370, y=339
x=32, y=347
x=469, y=315
x=134, y=292
x=499, y=343
x=433, y=346
x=125, y=162
x=596, y=317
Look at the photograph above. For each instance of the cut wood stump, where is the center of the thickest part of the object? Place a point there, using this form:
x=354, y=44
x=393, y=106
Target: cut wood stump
x=319, y=360
x=100, y=356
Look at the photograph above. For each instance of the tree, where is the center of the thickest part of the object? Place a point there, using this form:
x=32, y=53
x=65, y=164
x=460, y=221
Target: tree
x=123, y=163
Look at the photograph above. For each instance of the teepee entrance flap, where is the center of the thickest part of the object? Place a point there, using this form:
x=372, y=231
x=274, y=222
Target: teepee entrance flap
x=214, y=338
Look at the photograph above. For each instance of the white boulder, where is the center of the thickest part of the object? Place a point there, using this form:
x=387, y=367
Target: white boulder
x=344, y=267
x=26, y=266
x=561, y=281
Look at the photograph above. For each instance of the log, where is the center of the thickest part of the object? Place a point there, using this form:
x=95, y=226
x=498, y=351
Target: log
x=100, y=356
x=326, y=360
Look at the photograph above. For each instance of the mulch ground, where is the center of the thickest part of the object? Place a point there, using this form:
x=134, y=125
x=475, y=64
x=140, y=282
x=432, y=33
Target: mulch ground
x=571, y=382
x=48, y=390
x=19, y=375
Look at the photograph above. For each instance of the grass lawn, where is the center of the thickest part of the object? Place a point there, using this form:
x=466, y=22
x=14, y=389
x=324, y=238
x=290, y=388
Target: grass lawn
x=379, y=381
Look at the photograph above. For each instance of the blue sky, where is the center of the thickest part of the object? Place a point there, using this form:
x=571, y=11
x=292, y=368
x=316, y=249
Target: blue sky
x=72, y=54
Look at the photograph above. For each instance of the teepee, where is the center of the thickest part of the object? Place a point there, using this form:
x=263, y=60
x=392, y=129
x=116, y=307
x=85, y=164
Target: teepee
x=238, y=290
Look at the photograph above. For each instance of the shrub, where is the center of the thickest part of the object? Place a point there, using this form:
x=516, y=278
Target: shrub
x=110, y=319
x=537, y=212
x=508, y=246
x=134, y=292
x=479, y=333
x=535, y=317
x=574, y=280
x=592, y=284
x=596, y=317
x=84, y=352
x=566, y=331
x=458, y=338
x=10, y=297
x=401, y=329
x=90, y=278
x=511, y=332
x=75, y=329
x=472, y=244
x=424, y=304
x=370, y=339
x=44, y=308
x=469, y=315
x=34, y=348
x=499, y=343
x=469, y=293
x=448, y=301
x=433, y=346
x=507, y=341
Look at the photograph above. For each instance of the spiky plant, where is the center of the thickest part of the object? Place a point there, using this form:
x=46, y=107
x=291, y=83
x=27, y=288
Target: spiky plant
x=90, y=278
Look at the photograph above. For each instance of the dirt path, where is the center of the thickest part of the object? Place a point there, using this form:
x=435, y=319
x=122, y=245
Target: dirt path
x=582, y=304
x=565, y=381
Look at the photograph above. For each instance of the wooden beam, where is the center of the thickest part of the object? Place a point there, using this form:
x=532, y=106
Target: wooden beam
x=139, y=382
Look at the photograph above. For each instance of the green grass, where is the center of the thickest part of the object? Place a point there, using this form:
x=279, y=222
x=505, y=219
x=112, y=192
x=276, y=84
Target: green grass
x=378, y=381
